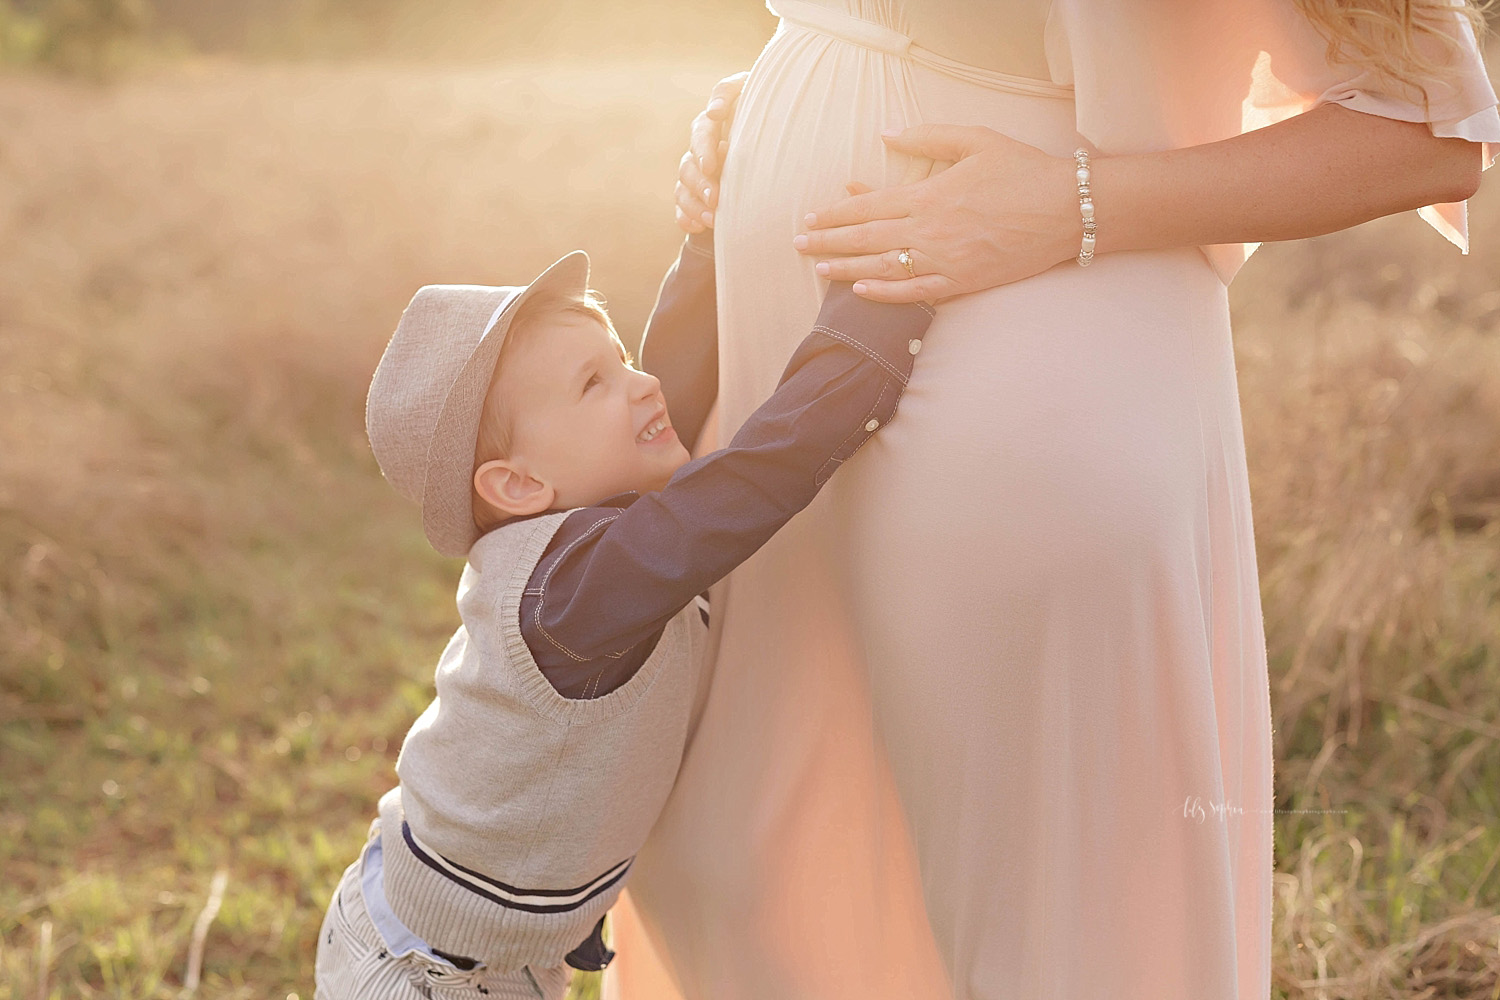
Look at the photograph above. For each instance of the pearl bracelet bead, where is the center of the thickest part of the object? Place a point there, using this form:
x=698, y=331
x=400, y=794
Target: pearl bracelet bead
x=1085, y=206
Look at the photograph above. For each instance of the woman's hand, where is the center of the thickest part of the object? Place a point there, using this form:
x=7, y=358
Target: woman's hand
x=698, y=172
x=1003, y=211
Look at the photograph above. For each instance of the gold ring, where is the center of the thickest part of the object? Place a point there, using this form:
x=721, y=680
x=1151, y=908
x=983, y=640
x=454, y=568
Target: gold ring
x=905, y=258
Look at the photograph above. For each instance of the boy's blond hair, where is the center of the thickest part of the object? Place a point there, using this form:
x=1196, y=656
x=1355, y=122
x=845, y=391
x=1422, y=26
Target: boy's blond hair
x=496, y=422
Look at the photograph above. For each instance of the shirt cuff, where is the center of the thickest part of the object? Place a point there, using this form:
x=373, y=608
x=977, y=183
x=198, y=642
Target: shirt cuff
x=890, y=334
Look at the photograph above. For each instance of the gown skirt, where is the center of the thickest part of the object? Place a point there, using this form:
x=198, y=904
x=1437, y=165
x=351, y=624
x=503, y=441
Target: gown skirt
x=991, y=718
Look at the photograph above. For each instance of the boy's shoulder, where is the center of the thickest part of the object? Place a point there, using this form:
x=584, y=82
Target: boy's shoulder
x=500, y=566
x=527, y=539
x=576, y=518
x=517, y=540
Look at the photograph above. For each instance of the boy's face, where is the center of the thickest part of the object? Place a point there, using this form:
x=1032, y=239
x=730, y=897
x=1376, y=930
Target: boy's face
x=585, y=423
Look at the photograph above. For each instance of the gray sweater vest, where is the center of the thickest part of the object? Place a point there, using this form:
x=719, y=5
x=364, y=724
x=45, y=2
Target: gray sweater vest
x=519, y=811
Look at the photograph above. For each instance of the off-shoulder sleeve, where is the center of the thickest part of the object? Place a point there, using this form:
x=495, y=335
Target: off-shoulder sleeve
x=1161, y=74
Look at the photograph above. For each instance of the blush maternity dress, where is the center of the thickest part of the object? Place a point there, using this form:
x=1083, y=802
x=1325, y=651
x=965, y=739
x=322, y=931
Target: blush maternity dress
x=991, y=718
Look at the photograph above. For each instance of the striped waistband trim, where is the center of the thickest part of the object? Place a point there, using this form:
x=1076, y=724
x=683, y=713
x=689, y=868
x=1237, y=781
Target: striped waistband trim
x=530, y=900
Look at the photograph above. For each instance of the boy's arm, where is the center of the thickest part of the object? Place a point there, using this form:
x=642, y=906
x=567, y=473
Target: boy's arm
x=681, y=343
x=626, y=571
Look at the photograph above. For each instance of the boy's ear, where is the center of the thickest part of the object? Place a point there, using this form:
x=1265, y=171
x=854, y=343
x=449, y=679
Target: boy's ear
x=510, y=489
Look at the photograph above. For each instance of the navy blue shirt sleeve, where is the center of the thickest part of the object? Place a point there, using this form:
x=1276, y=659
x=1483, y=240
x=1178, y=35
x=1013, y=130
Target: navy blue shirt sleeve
x=617, y=572
x=681, y=343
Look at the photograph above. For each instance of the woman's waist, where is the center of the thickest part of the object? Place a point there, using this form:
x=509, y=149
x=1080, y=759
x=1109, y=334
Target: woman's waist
x=784, y=136
x=886, y=37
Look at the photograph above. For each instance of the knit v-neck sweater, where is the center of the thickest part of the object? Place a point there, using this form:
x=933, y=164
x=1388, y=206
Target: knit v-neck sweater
x=502, y=776
x=520, y=810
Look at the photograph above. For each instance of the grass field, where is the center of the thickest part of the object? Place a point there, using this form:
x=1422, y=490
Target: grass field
x=217, y=621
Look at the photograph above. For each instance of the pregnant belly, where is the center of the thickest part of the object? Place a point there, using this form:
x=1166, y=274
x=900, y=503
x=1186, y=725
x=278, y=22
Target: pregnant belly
x=1076, y=401
x=1058, y=424
x=807, y=124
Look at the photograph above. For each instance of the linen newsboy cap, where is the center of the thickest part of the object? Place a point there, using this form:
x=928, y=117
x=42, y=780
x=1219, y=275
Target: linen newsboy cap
x=422, y=413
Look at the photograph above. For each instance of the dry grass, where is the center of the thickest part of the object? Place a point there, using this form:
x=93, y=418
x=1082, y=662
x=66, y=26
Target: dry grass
x=1371, y=392
x=216, y=621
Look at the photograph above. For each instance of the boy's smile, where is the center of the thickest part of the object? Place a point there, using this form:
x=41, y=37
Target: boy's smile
x=586, y=423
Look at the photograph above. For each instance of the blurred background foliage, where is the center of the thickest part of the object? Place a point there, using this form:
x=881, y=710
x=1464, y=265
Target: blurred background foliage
x=100, y=38
x=217, y=621
x=89, y=37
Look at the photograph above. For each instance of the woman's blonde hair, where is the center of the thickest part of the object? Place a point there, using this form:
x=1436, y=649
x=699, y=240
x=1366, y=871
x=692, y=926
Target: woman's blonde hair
x=1384, y=35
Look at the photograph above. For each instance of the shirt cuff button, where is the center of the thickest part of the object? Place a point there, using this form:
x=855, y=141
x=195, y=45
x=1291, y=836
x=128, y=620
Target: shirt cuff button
x=913, y=346
x=872, y=425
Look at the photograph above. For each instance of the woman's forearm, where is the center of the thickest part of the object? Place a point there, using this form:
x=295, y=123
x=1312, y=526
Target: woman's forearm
x=1315, y=173
x=1006, y=210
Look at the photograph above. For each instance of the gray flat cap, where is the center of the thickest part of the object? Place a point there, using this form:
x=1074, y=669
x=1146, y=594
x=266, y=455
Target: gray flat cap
x=422, y=413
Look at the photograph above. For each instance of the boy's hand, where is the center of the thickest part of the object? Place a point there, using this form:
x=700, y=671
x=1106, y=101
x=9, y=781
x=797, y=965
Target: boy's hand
x=698, y=172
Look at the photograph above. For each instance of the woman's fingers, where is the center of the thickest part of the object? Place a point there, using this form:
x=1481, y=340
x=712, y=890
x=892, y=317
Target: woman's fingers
x=885, y=266
x=698, y=172
x=888, y=203
x=725, y=93
x=848, y=241
x=703, y=143
x=690, y=177
x=876, y=265
x=707, y=138
x=922, y=288
x=693, y=212
x=690, y=207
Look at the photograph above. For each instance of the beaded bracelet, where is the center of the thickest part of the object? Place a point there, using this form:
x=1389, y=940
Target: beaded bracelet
x=1085, y=206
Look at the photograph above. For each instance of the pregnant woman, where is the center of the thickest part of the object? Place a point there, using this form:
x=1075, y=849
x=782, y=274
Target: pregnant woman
x=991, y=719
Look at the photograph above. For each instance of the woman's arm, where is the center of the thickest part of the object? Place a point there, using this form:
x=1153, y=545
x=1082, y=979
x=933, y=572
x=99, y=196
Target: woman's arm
x=1005, y=210
x=1314, y=173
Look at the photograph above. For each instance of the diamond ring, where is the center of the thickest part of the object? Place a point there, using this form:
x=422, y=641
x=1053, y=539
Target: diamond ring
x=905, y=258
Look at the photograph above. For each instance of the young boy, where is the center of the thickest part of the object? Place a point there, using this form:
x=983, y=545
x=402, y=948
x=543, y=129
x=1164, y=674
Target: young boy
x=515, y=418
